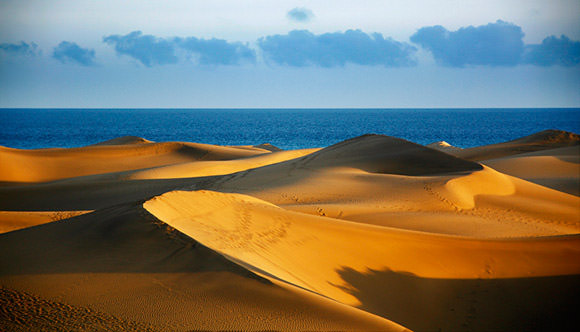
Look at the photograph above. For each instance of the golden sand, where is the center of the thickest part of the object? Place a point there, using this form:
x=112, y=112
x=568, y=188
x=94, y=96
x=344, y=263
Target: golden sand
x=373, y=233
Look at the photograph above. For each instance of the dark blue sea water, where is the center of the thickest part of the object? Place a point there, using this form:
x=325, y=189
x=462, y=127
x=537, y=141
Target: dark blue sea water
x=285, y=128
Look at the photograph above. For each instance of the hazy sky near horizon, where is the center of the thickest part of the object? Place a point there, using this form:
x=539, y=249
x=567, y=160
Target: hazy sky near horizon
x=227, y=53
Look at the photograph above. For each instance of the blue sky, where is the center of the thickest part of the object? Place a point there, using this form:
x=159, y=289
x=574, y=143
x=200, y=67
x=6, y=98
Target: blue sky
x=289, y=53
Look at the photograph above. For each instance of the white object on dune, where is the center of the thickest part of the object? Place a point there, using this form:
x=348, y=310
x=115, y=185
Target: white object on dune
x=443, y=146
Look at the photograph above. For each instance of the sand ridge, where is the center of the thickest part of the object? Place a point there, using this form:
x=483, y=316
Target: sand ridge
x=554, y=168
x=349, y=181
x=544, y=140
x=44, y=165
x=14, y=220
x=125, y=140
x=154, y=275
x=323, y=254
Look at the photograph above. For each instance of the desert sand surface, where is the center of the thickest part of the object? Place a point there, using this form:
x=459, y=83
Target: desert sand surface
x=13, y=220
x=126, y=153
x=374, y=233
x=555, y=168
x=547, y=139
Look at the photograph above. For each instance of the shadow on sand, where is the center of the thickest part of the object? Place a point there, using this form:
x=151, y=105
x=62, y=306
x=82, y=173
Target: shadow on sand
x=426, y=304
x=119, y=239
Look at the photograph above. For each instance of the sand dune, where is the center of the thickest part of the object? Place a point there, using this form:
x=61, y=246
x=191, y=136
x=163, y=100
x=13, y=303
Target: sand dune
x=265, y=146
x=366, y=234
x=547, y=139
x=197, y=168
x=554, y=168
x=123, y=263
x=53, y=164
x=124, y=141
x=313, y=252
x=97, y=191
x=386, y=155
x=437, y=193
x=13, y=220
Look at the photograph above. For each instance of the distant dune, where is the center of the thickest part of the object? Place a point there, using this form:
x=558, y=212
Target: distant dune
x=544, y=140
x=374, y=233
x=125, y=140
x=557, y=168
x=53, y=164
x=443, y=146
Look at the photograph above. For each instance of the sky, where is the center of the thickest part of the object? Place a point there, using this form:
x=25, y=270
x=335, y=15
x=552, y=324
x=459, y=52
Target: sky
x=286, y=54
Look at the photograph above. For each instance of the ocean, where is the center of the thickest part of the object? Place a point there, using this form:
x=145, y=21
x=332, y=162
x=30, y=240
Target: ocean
x=284, y=128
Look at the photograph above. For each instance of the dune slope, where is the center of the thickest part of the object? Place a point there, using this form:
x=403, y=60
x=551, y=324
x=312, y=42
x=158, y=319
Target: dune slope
x=544, y=140
x=386, y=155
x=408, y=186
x=124, y=141
x=14, y=220
x=554, y=168
x=123, y=263
x=52, y=164
x=332, y=258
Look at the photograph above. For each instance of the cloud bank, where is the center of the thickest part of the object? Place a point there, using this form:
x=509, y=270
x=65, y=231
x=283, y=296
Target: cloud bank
x=553, y=51
x=300, y=15
x=301, y=48
x=217, y=51
x=147, y=49
x=21, y=49
x=71, y=52
x=494, y=44
x=152, y=51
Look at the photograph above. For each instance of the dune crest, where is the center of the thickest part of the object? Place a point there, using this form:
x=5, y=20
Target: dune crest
x=544, y=140
x=53, y=164
x=310, y=251
x=554, y=168
x=14, y=220
x=387, y=155
x=123, y=263
x=125, y=140
x=389, y=182
x=463, y=190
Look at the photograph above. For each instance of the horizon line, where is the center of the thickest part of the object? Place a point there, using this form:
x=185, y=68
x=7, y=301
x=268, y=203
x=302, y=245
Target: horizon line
x=281, y=108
